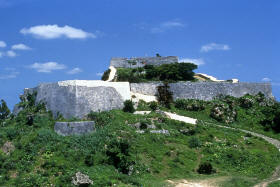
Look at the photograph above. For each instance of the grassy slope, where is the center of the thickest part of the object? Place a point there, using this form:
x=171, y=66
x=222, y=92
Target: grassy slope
x=42, y=157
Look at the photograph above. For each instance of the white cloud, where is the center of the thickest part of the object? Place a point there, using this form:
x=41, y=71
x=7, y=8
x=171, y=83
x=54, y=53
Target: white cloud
x=197, y=61
x=161, y=27
x=11, y=54
x=54, y=31
x=99, y=74
x=12, y=73
x=47, y=67
x=266, y=79
x=75, y=71
x=214, y=46
x=20, y=47
x=2, y=44
x=1, y=54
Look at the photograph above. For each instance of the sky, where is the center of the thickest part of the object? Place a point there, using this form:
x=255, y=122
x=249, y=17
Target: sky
x=54, y=40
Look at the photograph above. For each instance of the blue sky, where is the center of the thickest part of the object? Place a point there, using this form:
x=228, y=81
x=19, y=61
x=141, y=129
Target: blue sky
x=47, y=41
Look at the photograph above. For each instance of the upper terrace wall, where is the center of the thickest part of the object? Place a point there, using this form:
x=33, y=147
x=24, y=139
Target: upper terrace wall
x=142, y=61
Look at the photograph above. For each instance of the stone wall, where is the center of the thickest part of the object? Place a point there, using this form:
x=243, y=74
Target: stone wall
x=142, y=61
x=74, y=128
x=78, y=98
x=204, y=90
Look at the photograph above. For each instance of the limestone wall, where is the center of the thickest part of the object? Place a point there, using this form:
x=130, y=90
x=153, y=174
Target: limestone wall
x=204, y=90
x=78, y=98
x=142, y=61
x=74, y=128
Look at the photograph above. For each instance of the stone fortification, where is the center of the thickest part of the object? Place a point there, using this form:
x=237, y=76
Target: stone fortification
x=142, y=61
x=204, y=90
x=74, y=128
x=77, y=98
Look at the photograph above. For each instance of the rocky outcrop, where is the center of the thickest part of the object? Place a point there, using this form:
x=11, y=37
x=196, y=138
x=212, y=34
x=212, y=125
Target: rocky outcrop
x=81, y=179
x=8, y=148
x=74, y=128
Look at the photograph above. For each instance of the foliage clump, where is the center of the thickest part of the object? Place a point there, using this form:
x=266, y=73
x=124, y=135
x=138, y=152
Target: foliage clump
x=128, y=106
x=4, y=110
x=164, y=95
x=165, y=72
x=223, y=112
x=106, y=74
x=206, y=168
x=190, y=104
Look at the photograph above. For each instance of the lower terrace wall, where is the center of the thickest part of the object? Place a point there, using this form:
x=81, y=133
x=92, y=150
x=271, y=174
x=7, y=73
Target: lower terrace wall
x=204, y=90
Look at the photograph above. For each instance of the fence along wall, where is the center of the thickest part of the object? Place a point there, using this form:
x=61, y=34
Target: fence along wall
x=142, y=61
x=204, y=90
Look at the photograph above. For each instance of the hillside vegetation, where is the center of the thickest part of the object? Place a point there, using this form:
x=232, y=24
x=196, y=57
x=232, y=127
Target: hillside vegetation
x=124, y=151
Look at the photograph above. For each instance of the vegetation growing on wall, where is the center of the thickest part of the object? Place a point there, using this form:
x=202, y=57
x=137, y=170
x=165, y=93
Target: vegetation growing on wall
x=165, y=72
x=106, y=74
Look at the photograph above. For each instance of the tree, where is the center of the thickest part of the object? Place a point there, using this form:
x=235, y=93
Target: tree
x=4, y=110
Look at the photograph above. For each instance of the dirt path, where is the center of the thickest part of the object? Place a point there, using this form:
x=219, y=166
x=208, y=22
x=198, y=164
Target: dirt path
x=276, y=143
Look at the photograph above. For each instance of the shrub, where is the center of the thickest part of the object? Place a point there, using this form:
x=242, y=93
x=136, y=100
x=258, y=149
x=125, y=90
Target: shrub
x=4, y=110
x=153, y=105
x=106, y=74
x=194, y=142
x=101, y=118
x=223, y=112
x=164, y=95
x=205, y=168
x=128, y=106
x=246, y=101
x=190, y=104
x=271, y=117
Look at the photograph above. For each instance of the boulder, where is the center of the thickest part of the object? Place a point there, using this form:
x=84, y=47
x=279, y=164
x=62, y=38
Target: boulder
x=81, y=179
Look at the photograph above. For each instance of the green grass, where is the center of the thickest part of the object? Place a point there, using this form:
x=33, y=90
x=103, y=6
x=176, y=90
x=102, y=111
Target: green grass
x=274, y=184
x=107, y=156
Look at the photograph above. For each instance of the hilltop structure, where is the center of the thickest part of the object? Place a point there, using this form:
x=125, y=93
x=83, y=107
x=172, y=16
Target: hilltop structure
x=76, y=98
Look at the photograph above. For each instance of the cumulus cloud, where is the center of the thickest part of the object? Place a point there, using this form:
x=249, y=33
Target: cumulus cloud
x=162, y=27
x=197, y=61
x=47, y=67
x=20, y=47
x=75, y=71
x=11, y=54
x=214, y=46
x=2, y=44
x=265, y=79
x=55, y=31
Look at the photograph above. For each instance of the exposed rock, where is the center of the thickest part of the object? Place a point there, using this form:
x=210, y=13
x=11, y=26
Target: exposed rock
x=81, y=179
x=74, y=128
x=160, y=131
x=8, y=148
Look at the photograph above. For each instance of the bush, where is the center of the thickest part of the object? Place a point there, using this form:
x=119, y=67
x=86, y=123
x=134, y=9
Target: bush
x=190, y=104
x=205, y=168
x=271, y=117
x=106, y=74
x=101, y=118
x=4, y=110
x=223, y=112
x=194, y=142
x=153, y=105
x=164, y=95
x=128, y=106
